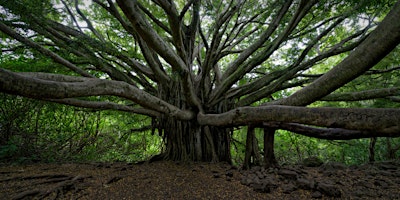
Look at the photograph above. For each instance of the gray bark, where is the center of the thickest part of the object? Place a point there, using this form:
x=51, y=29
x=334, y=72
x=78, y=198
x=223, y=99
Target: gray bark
x=363, y=95
x=15, y=83
x=327, y=133
x=385, y=121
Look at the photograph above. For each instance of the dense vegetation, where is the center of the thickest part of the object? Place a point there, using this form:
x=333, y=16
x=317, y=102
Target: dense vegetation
x=37, y=131
x=236, y=81
x=33, y=130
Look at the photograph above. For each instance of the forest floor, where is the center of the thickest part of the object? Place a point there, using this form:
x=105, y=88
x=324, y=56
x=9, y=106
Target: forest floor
x=172, y=180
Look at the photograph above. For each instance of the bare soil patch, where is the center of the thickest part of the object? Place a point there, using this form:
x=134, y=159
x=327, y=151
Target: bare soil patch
x=174, y=180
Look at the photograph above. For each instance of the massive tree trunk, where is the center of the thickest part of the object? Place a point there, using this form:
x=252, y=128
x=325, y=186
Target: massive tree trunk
x=187, y=140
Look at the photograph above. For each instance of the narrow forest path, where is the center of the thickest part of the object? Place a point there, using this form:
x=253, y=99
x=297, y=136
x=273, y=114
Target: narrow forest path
x=171, y=180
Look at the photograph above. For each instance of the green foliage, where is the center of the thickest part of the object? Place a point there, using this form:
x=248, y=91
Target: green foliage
x=32, y=131
x=292, y=148
x=8, y=150
x=238, y=146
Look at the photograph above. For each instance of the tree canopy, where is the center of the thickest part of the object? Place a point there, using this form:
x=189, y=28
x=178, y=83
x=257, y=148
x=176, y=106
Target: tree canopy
x=203, y=67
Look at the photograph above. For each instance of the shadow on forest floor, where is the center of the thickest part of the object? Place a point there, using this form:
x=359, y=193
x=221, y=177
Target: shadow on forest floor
x=172, y=180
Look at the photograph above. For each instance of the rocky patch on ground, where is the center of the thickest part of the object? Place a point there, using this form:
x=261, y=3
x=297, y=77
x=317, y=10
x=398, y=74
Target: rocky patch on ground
x=335, y=180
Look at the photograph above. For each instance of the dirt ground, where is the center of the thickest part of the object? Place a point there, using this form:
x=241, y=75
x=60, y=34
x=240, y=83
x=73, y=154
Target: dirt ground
x=173, y=180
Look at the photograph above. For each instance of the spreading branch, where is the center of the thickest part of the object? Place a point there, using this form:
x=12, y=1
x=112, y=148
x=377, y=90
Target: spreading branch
x=367, y=119
x=383, y=40
x=328, y=133
x=363, y=95
x=45, y=89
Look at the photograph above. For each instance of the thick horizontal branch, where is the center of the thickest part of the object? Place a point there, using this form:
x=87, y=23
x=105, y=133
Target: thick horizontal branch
x=394, y=99
x=328, y=133
x=105, y=106
x=363, y=95
x=19, y=84
x=54, y=77
x=384, y=120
